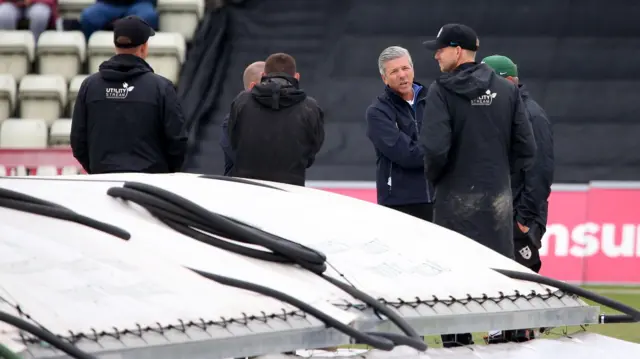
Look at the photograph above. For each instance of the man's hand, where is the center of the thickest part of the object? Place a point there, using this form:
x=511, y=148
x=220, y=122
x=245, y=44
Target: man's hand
x=523, y=228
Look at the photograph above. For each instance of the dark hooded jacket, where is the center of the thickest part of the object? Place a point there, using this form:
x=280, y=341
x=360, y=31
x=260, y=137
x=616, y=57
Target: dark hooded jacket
x=475, y=133
x=275, y=131
x=128, y=119
x=531, y=189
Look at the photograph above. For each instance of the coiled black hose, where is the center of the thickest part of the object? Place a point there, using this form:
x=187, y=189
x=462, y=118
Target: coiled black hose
x=25, y=203
x=631, y=315
x=44, y=335
x=201, y=224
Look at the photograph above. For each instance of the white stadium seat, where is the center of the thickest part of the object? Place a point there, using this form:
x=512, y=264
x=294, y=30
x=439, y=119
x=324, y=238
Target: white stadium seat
x=23, y=133
x=7, y=96
x=17, y=48
x=60, y=132
x=42, y=96
x=74, y=87
x=47, y=171
x=167, y=51
x=181, y=16
x=71, y=9
x=99, y=49
x=61, y=52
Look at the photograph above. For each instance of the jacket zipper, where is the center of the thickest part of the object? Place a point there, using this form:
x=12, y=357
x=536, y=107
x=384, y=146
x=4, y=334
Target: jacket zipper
x=415, y=124
x=389, y=179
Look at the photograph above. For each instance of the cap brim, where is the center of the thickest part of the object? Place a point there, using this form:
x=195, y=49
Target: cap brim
x=151, y=31
x=432, y=45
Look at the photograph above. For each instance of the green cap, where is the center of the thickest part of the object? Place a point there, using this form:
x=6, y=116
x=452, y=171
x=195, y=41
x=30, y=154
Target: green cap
x=502, y=65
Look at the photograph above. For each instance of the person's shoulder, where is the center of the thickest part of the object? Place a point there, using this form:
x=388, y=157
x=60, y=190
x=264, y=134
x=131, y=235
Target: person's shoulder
x=311, y=101
x=536, y=111
x=434, y=87
x=382, y=102
x=162, y=82
x=242, y=97
x=92, y=79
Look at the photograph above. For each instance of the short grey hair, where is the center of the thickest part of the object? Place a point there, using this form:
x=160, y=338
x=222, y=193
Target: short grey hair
x=392, y=53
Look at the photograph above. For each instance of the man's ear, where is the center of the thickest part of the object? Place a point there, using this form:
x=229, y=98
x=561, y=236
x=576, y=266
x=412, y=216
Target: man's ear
x=253, y=83
x=384, y=79
x=297, y=76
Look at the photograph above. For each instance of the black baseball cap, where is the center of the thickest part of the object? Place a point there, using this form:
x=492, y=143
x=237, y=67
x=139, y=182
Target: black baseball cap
x=131, y=31
x=454, y=35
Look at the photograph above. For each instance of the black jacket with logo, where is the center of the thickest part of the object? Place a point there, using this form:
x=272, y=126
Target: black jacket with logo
x=128, y=119
x=275, y=131
x=531, y=189
x=475, y=133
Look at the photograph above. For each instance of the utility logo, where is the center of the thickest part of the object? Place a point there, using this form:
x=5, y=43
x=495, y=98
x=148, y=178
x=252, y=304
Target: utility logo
x=114, y=93
x=484, y=100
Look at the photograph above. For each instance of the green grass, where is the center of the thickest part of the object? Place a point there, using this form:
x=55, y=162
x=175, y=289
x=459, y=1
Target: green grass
x=626, y=295
x=628, y=332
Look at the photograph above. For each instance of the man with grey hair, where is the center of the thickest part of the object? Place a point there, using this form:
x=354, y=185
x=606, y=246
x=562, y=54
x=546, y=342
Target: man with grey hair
x=251, y=76
x=394, y=120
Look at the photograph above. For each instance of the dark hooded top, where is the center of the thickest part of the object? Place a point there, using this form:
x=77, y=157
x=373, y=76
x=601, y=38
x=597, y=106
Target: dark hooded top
x=476, y=133
x=128, y=119
x=275, y=131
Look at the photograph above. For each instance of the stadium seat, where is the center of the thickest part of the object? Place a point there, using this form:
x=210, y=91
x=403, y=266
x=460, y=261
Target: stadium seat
x=46, y=171
x=74, y=87
x=7, y=96
x=61, y=52
x=42, y=96
x=23, y=133
x=100, y=48
x=71, y=9
x=167, y=51
x=17, y=51
x=60, y=132
x=181, y=16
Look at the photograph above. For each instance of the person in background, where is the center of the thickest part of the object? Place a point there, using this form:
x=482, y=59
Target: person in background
x=394, y=120
x=531, y=189
x=275, y=130
x=251, y=76
x=126, y=118
x=475, y=134
x=41, y=14
x=104, y=12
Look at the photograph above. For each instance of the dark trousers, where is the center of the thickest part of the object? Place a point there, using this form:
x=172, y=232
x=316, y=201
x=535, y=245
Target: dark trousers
x=418, y=210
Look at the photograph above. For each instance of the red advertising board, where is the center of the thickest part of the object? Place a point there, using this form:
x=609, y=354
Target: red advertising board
x=610, y=240
x=593, y=234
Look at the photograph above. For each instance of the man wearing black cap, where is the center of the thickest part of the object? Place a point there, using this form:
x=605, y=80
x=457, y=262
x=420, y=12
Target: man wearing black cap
x=475, y=134
x=126, y=118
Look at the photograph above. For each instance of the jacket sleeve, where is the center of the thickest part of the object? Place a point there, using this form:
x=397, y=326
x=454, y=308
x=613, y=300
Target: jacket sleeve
x=394, y=144
x=436, y=134
x=226, y=146
x=523, y=145
x=316, y=131
x=538, y=179
x=174, y=129
x=232, y=121
x=79, y=142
